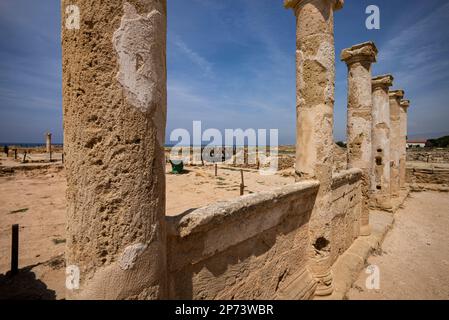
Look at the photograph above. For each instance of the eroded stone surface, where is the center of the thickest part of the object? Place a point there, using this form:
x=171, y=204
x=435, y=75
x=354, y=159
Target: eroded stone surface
x=395, y=139
x=359, y=127
x=114, y=100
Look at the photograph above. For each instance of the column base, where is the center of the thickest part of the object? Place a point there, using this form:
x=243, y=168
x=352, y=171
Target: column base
x=324, y=285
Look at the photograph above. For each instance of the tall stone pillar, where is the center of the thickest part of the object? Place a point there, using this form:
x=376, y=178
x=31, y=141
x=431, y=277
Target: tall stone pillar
x=359, y=59
x=315, y=76
x=381, y=197
x=395, y=139
x=403, y=143
x=114, y=101
x=48, y=142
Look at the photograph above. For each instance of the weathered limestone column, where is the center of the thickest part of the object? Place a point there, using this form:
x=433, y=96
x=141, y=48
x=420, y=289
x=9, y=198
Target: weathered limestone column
x=315, y=76
x=114, y=100
x=405, y=104
x=395, y=139
x=48, y=141
x=360, y=103
x=381, y=142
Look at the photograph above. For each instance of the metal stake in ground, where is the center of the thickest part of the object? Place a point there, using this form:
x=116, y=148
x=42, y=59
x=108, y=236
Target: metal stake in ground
x=24, y=156
x=216, y=170
x=242, y=184
x=15, y=250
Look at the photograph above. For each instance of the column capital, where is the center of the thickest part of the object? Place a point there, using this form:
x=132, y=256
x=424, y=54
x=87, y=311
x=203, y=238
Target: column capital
x=294, y=4
x=405, y=104
x=362, y=52
x=396, y=94
x=383, y=81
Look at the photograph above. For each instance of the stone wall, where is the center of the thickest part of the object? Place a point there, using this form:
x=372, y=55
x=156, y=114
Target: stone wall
x=255, y=246
x=431, y=156
x=346, y=210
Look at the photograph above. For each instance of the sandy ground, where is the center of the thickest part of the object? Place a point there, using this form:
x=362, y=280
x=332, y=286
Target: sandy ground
x=35, y=199
x=414, y=260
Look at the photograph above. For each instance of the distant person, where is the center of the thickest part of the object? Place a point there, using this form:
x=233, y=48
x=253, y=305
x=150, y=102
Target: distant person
x=6, y=150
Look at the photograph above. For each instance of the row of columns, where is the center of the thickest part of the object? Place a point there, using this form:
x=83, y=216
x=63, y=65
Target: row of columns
x=376, y=132
x=376, y=129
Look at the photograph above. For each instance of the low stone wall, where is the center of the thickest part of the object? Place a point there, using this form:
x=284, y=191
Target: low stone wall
x=246, y=248
x=428, y=175
x=255, y=246
x=431, y=156
x=346, y=210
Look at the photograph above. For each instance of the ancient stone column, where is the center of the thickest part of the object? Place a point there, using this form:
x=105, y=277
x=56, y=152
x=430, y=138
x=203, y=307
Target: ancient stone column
x=359, y=59
x=395, y=139
x=48, y=142
x=380, y=184
x=114, y=103
x=403, y=143
x=315, y=76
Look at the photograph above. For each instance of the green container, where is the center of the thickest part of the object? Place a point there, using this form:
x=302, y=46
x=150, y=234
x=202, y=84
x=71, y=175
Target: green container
x=177, y=166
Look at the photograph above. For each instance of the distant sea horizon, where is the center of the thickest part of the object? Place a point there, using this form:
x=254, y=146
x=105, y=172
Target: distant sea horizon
x=168, y=145
x=27, y=144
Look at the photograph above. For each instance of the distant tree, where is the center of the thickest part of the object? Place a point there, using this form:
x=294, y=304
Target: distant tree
x=430, y=143
x=442, y=142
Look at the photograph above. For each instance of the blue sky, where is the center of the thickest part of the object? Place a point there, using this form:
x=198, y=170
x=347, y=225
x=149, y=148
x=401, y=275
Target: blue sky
x=231, y=64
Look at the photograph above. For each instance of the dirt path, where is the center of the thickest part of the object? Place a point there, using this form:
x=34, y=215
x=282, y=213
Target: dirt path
x=414, y=260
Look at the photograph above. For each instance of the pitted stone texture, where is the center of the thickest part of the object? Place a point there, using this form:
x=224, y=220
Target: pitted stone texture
x=380, y=184
x=315, y=61
x=359, y=126
x=395, y=139
x=114, y=101
x=251, y=247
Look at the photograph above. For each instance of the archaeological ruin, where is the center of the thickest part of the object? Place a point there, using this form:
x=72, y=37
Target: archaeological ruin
x=287, y=243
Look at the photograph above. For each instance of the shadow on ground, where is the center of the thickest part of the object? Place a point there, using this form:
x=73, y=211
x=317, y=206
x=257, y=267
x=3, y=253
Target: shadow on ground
x=25, y=285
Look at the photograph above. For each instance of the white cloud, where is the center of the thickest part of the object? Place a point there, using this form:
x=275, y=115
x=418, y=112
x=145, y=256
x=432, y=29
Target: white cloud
x=194, y=57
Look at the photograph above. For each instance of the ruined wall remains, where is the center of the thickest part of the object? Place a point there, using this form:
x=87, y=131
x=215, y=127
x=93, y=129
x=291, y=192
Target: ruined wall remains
x=430, y=156
x=48, y=142
x=114, y=105
x=340, y=159
x=381, y=156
